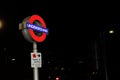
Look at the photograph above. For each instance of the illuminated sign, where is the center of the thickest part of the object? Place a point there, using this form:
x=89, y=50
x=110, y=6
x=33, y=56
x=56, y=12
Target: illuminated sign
x=36, y=28
x=33, y=35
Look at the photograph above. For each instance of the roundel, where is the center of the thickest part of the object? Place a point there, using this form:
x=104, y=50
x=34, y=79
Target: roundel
x=37, y=38
x=34, y=28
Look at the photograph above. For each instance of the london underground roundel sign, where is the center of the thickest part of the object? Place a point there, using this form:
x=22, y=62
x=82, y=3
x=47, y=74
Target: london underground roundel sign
x=34, y=28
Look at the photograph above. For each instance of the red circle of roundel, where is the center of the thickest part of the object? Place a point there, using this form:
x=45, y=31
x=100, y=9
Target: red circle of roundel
x=33, y=35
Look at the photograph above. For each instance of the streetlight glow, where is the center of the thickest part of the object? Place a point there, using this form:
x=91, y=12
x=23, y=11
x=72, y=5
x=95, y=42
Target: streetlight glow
x=111, y=31
x=13, y=59
x=1, y=24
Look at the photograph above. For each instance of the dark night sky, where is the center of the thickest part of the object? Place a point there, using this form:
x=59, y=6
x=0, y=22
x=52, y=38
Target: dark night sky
x=73, y=29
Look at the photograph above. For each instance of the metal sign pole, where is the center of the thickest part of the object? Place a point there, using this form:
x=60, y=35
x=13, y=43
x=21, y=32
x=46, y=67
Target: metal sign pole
x=35, y=69
x=36, y=73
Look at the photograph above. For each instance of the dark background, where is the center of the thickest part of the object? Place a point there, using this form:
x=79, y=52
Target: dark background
x=77, y=32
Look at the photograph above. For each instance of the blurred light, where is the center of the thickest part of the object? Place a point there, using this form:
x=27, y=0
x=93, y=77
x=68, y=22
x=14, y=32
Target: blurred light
x=1, y=24
x=57, y=78
x=80, y=62
x=111, y=31
x=93, y=73
x=49, y=62
x=4, y=49
x=49, y=77
x=13, y=59
x=62, y=69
